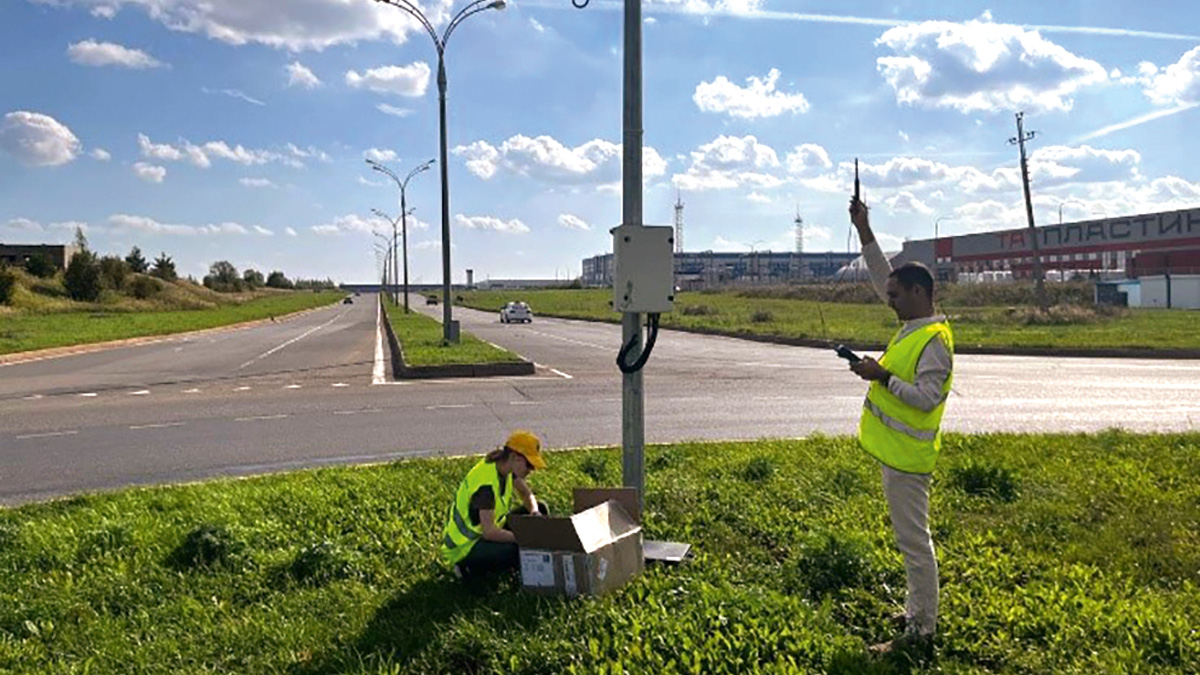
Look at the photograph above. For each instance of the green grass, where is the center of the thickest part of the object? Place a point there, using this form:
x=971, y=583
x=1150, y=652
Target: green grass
x=1058, y=554
x=421, y=338
x=731, y=313
x=26, y=330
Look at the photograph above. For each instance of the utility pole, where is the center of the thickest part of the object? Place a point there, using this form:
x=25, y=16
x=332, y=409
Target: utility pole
x=633, y=406
x=679, y=222
x=1038, y=275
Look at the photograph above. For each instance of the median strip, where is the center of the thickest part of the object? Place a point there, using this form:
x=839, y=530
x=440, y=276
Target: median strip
x=418, y=350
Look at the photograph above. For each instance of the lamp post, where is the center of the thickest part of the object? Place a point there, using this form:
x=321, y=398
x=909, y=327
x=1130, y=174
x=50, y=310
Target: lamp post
x=386, y=254
x=472, y=8
x=404, y=211
x=1066, y=201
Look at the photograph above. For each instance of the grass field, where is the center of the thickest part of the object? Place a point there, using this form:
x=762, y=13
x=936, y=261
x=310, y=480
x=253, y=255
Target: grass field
x=874, y=323
x=1058, y=553
x=421, y=339
x=56, y=325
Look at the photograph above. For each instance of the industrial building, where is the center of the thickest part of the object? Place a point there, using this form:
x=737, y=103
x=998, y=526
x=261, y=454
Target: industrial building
x=711, y=269
x=18, y=254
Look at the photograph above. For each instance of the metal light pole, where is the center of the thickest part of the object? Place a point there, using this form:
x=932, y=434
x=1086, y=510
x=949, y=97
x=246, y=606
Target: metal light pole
x=1039, y=277
x=404, y=211
x=387, y=256
x=439, y=42
x=391, y=245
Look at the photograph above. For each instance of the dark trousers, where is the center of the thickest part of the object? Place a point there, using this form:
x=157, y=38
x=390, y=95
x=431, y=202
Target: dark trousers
x=487, y=557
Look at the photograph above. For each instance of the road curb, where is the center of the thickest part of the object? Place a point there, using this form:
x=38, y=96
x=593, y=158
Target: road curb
x=402, y=371
x=959, y=348
x=73, y=350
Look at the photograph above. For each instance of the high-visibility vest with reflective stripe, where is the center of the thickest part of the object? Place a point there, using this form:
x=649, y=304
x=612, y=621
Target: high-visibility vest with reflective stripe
x=460, y=533
x=903, y=437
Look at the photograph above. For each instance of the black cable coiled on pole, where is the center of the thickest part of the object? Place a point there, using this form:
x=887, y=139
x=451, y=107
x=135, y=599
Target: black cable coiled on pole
x=628, y=368
x=580, y=4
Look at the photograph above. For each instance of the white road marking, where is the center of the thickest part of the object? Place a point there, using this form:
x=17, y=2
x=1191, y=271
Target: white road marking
x=561, y=374
x=377, y=376
x=33, y=397
x=440, y=407
x=90, y=394
x=295, y=339
x=191, y=391
x=140, y=392
x=47, y=434
x=356, y=412
x=576, y=342
x=242, y=389
x=525, y=402
x=163, y=425
x=259, y=417
x=292, y=386
x=339, y=384
x=773, y=398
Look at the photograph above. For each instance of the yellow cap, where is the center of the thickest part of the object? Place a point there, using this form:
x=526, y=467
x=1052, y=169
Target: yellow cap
x=528, y=446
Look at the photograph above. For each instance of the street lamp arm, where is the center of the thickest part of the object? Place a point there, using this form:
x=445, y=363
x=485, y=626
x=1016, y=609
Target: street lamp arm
x=383, y=169
x=473, y=8
x=416, y=14
x=419, y=169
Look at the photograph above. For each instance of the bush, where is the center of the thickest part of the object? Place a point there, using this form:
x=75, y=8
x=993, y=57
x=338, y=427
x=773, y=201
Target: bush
x=206, y=546
x=758, y=470
x=41, y=266
x=143, y=287
x=164, y=268
x=8, y=284
x=136, y=261
x=82, y=278
x=252, y=278
x=113, y=272
x=985, y=481
x=761, y=316
x=276, y=279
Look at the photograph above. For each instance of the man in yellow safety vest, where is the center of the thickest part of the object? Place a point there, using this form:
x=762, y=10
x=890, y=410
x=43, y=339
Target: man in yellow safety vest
x=900, y=424
x=475, y=539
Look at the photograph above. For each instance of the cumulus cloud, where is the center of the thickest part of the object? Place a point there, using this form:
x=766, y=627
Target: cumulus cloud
x=28, y=225
x=757, y=99
x=290, y=232
x=257, y=182
x=514, y=226
x=234, y=93
x=411, y=80
x=295, y=25
x=905, y=202
x=300, y=76
x=100, y=154
x=706, y=7
x=35, y=139
x=980, y=66
x=806, y=158
x=353, y=223
x=124, y=221
x=1177, y=84
x=381, y=155
x=388, y=109
x=729, y=162
x=149, y=172
x=259, y=229
x=203, y=155
x=759, y=198
x=573, y=222
x=547, y=160
x=92, y=53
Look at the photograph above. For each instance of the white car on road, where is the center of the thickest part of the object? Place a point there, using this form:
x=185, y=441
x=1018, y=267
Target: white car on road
x=516, y=311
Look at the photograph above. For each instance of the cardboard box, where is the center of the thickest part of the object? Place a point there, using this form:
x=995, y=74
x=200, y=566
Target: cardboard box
x=592, y=552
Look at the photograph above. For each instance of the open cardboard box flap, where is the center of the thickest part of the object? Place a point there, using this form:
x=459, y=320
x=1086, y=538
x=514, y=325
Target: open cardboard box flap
x=600, y=519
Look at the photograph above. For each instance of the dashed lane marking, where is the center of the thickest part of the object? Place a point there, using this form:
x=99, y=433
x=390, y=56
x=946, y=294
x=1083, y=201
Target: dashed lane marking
x=191, y=391
x=242, y=389
x=339, y=384
x=260, y=417
x=90, y=394
x=162, y=425
x=292, y=386
x=47, y=434
x=441, y=407
x=140, y=392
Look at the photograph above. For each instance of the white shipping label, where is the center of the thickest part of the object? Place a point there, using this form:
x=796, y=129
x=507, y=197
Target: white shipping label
x=537, y=568
x=568, y=566
x=603, y=572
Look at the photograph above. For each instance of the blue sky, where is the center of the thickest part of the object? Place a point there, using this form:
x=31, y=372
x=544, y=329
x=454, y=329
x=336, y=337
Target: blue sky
x=237, y=129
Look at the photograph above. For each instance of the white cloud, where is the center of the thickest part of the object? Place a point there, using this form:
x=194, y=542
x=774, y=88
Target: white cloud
x=1178, y=83
x=353, y=223
x=983, y=66
x=234, y=93
x=202, y=156
x=722, y=244
x=364, y=181
x=35, y=139
x=150, y=172
x=23, y=224
x=290, y=232
x=389, y=109
x=573, y=222
x=92, y=53
x=705, y=7
x=239, y=154
x=905, y=202
x=100, y=154
x=514, y=226
x=758, y=99
x=381, y=155
x=410, y=80
x=903, y=136
x=760, y=198
x=728, y=162
x=804, y=158
x=537, y=25
x=143, y=224
x=263, y=231
x=295, y=25
x=650, y=21
x=300, y=76
x=257, y=182
x=547, y=160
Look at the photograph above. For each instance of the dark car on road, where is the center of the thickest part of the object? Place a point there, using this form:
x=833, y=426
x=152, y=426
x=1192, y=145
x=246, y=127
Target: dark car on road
x=431, y=300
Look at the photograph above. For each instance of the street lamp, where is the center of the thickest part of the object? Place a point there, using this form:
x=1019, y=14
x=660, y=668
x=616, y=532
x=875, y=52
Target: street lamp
x=391, y=247
x=404, y=211
x=389, y=251
x=1066, y=201
x=439, y=43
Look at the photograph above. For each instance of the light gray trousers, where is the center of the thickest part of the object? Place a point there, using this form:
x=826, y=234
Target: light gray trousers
x=908, y=504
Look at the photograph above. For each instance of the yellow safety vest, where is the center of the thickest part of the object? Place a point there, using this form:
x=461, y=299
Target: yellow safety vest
x=903, y=437
x=460, y=534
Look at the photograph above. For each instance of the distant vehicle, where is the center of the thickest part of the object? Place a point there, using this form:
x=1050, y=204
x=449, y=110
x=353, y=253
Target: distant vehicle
x=516, y=311
x=431, y=300
x=347, y=300
x=356, y=294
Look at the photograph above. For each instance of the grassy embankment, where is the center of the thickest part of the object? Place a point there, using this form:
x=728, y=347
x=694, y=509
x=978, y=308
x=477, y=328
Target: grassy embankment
x=1059, y=554
x=421, y=339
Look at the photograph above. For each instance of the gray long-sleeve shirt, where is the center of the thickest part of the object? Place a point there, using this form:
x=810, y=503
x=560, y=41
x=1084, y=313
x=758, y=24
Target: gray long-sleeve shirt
x=935, y=364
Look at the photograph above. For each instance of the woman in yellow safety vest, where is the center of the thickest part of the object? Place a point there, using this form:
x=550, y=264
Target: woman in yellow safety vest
x=476, y=538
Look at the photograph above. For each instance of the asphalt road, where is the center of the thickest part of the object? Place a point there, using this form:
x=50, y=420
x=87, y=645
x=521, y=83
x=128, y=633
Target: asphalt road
x=304, y=392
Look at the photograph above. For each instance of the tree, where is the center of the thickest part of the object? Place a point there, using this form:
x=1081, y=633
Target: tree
x=252, y=277
x=136, y=262
x=80, y=240
x=8, y=284
x=82, y=278
x=164, y=268
x=113, y=272
x=223, y=277
x=276, y=279
x=41, y=266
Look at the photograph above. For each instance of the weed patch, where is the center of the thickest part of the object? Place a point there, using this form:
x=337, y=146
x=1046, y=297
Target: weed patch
x=979, y=480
